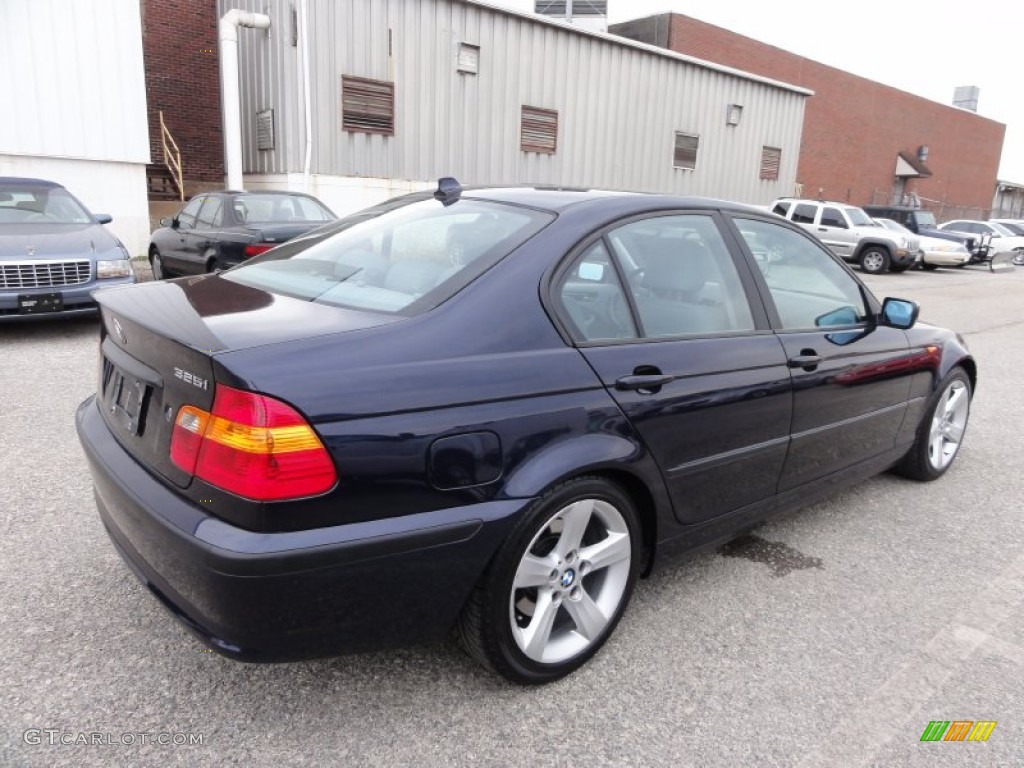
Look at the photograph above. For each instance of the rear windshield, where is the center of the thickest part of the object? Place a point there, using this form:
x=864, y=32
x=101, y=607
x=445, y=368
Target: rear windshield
x=26, y=204
x=265, y=208
x=393, y=259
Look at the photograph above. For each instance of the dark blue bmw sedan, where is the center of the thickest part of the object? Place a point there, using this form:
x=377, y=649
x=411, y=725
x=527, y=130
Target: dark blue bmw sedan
x=492, y=411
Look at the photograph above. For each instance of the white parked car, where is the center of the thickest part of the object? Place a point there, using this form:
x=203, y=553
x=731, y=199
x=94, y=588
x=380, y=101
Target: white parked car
x=1004, y=239
x=935, y=252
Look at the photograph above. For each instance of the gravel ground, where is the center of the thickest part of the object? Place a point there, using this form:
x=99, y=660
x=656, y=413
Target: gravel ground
x=829, y=638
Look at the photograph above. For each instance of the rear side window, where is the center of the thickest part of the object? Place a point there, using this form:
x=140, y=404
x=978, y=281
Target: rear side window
x=594, y=300
x=403, y=259
x=681, y=277
x=804, y=213
x=279, y=209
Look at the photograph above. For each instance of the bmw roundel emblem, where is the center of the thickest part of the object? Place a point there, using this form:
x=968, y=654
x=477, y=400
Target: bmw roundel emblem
x=568, y=577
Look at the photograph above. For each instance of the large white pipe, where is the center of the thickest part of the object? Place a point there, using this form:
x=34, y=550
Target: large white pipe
x=230, y=98
x=307, y=109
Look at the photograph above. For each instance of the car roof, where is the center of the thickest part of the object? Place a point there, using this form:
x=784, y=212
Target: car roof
x=561, y=198
x=28, y=182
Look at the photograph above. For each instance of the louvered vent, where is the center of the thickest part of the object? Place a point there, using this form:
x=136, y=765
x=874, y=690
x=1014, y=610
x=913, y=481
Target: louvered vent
x=539, y=130
x=367, y=106
x=686, y=151
x=770, y=160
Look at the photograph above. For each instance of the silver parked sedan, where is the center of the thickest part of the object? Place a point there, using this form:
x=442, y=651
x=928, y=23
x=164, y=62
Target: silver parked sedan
x=935, y=252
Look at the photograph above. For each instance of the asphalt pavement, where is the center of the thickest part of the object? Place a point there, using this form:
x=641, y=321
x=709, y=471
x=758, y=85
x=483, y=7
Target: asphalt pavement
x=830, y=637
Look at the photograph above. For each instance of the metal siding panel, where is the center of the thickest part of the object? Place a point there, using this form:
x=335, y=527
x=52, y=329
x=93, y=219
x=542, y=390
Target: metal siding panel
x=80, y=92
x=618, y=106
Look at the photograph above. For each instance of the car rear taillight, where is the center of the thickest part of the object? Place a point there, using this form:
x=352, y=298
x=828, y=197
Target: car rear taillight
x=255, y=249
x=253, y=446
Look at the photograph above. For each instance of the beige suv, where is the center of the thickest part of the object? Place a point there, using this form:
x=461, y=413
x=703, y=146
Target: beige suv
x=851, y=235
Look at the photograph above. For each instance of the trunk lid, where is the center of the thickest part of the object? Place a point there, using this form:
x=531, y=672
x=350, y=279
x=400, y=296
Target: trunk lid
x=159, y=342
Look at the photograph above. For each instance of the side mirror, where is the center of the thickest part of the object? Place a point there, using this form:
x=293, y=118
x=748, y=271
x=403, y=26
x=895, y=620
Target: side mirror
x=104, y=218
x=900, y=313
x=166, y=222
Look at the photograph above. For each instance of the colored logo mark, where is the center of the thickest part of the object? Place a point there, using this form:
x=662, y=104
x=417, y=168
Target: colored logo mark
x=958, y=730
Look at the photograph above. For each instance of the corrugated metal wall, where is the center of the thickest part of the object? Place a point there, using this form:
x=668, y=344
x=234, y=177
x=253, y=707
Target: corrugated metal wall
x=619, y=105
x=73, y=82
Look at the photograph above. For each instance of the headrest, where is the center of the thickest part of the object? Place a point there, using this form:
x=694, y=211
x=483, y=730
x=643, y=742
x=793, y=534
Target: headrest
x=674, y=265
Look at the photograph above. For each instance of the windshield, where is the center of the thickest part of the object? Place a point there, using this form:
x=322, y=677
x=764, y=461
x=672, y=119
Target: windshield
x=858, y=218
x=394, y=259
x=1002, y=229
x=279, y=209
x=27, y=204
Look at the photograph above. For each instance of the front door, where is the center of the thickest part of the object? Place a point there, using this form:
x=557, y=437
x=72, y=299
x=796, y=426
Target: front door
x=834, y=232
x=851, y=377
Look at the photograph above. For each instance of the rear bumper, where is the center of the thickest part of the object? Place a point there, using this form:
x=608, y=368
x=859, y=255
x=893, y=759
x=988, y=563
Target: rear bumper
x=286, y=596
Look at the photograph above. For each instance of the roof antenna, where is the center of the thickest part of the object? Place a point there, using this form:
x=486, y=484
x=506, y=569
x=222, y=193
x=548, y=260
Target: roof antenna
x=448, y=190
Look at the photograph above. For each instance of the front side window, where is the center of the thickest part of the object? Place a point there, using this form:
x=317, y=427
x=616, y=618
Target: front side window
x=831, y=217
x=190, y=213
x=211, y=213
x=809, y=288
x=401, y=259
x=857, y=217
x=681, y=277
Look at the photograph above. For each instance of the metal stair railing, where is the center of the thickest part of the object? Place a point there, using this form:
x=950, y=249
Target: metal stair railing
x=172, y=157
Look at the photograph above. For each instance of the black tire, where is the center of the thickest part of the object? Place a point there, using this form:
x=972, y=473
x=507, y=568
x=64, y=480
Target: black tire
x=929, y=267
x=1018, y=257
x=874, y=260
x=500, y=618
x=934, y=448
x=156, y=264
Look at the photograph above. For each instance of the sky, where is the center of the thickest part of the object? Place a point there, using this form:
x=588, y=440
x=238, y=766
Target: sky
x=926, y=48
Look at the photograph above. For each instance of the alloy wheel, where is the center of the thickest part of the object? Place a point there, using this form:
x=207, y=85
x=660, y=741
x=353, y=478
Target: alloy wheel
x=948, y=424
x=570, y=581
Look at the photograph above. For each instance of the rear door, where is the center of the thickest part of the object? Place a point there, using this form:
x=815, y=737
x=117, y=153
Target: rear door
x=675, y=330
x=851, y=377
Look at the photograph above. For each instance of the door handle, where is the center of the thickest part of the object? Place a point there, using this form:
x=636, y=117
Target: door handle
x=807, y=360
x=651, y=381
x=822, y=229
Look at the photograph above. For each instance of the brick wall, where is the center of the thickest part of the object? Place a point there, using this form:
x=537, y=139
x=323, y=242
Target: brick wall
x=179, y=39
x=854, y=127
